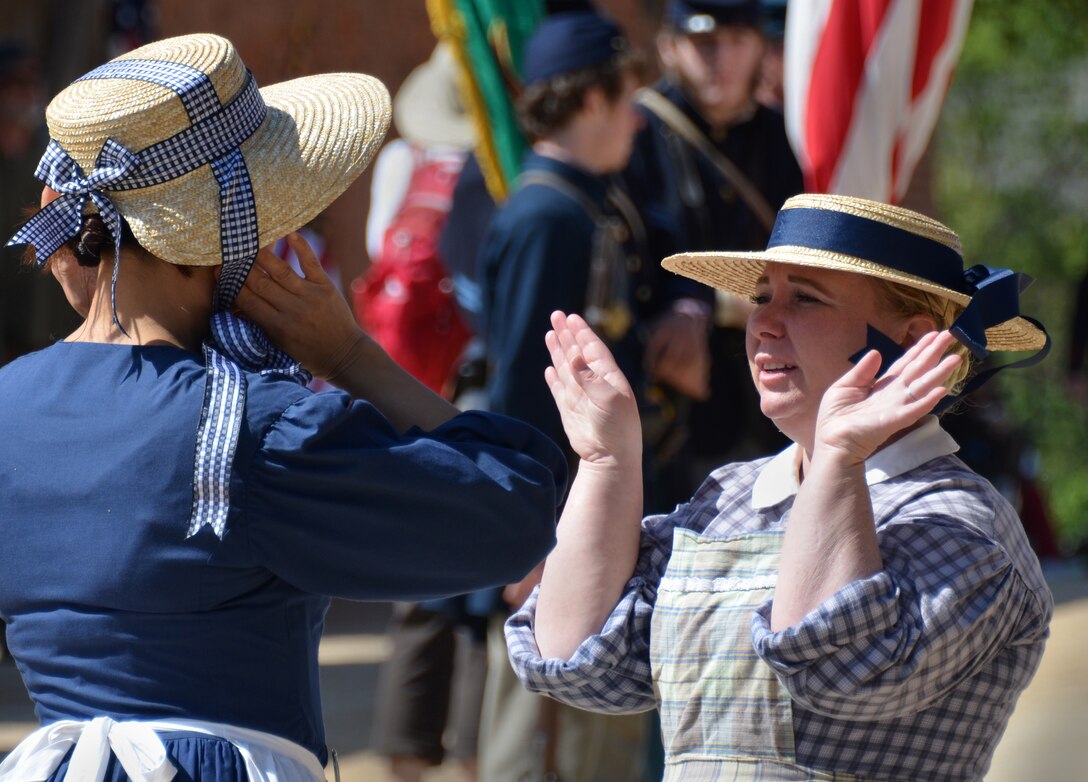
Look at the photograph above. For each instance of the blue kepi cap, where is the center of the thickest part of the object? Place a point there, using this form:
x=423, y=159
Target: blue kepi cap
x=702, y=16
x=569, y=42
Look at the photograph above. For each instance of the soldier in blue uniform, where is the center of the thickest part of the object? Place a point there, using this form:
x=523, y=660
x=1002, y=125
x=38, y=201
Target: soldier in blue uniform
x=710, y=169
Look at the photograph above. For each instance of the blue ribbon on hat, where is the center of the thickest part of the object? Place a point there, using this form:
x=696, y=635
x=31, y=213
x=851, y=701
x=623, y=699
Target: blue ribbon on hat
x=213, y=138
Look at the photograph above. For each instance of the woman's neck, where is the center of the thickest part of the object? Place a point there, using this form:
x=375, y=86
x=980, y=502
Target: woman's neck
x=156, y=304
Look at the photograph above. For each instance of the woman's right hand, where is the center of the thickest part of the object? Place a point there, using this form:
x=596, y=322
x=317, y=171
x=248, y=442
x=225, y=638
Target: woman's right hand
x=306, y=316
x=598, y=536
x=595, y=401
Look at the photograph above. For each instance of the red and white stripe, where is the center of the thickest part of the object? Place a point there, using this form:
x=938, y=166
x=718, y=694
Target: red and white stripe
x=864, y=84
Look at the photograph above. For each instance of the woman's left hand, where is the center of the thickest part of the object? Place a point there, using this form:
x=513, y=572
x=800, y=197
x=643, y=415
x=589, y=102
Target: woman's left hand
x=859, y=412
x=306, y=317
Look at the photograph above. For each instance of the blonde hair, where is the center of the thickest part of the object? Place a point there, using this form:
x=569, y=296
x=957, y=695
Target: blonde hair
x=906, y=302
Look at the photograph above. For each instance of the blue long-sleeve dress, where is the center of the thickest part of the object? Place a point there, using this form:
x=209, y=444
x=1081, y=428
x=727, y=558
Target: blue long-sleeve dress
x=111, y=610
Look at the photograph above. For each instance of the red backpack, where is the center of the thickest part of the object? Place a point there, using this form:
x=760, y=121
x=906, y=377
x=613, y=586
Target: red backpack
x=405, y=299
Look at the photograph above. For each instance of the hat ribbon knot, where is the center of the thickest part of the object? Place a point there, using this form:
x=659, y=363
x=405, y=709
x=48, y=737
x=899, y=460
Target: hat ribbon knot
x=995, y=298
x=61, y=219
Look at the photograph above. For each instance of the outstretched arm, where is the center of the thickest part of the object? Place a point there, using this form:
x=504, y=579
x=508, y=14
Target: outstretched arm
x=831, y=538
x=598, y=534
x=309, y=319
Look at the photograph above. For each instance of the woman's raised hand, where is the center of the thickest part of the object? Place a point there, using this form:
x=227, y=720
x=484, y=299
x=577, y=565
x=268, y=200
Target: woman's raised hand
x=859, y=412
x=306, y=317
x=595, y=401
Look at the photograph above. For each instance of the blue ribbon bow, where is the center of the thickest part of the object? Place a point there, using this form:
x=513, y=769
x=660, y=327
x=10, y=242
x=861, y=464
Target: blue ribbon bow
x=62, y=218
x=995, y=298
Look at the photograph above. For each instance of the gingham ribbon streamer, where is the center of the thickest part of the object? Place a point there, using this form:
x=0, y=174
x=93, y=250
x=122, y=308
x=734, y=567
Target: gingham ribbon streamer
x=213, y=138
x=237, y=226
x=244, y=348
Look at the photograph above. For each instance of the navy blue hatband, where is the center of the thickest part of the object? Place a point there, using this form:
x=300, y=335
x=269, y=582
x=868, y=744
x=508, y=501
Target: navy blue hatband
x=569, y=42
x=870, y=240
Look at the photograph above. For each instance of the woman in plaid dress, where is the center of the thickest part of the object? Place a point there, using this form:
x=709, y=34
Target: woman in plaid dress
x=861, y=606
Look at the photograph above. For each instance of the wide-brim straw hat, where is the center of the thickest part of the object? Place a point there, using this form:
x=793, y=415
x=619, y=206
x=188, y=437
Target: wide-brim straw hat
x=428, y=110
x=818, y=238
x=318, y=134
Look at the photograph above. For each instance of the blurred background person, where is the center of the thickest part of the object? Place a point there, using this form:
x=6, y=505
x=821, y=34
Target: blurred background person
x=567, y=238
x=710, y=168
x=431, y=688
x=769, y=91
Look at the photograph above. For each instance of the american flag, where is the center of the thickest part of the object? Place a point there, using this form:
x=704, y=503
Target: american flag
x=864, y=85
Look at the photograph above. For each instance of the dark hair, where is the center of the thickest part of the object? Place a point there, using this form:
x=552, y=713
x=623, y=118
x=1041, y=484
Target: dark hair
x=546, y=107
x=93, y=240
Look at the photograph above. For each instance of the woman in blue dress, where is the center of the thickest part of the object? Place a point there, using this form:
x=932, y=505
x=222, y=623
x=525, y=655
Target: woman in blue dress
x=176, y=507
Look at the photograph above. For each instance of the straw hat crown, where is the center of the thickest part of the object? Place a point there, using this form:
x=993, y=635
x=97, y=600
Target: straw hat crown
x=317, y=136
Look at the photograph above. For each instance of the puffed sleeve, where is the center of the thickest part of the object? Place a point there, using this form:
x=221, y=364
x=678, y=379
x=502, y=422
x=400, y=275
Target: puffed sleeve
x=609, y=671
x=339, y=503
x=948, y=600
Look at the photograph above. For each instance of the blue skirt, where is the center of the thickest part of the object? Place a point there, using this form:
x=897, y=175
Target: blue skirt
x=197, y=759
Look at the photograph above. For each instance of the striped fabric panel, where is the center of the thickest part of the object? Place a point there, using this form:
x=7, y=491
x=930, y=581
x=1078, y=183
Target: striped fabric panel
x=717, y=696
x=864, y=87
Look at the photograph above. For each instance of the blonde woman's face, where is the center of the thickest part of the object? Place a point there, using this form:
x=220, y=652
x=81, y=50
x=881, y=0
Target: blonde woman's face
x=806, y=324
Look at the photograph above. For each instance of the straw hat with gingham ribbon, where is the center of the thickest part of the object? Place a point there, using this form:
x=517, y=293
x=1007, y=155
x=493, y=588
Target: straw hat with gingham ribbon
x=317, y=135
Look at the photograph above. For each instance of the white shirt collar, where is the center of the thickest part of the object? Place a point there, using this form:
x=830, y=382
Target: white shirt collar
x=777, y=480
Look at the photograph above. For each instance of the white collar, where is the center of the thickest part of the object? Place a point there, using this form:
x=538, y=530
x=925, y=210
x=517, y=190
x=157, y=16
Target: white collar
x=777, y=480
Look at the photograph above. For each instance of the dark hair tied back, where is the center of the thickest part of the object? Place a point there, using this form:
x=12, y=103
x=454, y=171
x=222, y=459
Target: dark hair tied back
x=94, y=237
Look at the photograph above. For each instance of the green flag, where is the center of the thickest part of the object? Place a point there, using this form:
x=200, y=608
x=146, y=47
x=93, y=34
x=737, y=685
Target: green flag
x=488, y=38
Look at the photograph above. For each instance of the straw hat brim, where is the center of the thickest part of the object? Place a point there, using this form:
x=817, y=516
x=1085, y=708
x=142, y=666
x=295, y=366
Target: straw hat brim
x=427, y=109
x=319, y=134
x=739, y=272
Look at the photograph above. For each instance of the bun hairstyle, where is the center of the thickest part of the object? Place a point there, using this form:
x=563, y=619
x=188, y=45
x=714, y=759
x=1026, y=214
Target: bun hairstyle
x=93, y=238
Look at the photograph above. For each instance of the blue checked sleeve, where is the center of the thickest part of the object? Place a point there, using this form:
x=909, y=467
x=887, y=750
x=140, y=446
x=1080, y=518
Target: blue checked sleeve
x=609, y=672
x=950, y=599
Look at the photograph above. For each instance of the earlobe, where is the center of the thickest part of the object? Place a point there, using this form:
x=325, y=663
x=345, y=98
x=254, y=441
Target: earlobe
x=595, y=102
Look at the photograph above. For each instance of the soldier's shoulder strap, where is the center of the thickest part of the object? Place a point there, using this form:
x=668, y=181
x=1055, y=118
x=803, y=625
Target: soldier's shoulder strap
x=672, y=116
